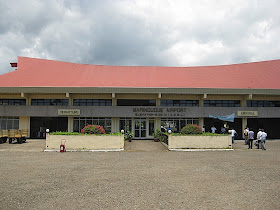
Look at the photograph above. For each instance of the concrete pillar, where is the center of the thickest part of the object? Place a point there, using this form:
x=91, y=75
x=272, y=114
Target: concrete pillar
x=158, y=99
x=114, y=102
x=201, y=101
x=24, y=123
x=115, y=125
x=244, y=102
x=201, y=122
x=244, y=123
x=70, y=124
x=70, y=98
x=157, y=123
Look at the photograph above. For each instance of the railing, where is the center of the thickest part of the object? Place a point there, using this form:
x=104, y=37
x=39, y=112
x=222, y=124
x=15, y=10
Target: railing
x=164, y=138
x=13, y=133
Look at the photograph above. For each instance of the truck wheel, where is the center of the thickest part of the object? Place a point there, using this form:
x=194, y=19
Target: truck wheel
x=23, y=139
x=4, y=139
x=1, y=140
x=19, y=140
x=10, y=140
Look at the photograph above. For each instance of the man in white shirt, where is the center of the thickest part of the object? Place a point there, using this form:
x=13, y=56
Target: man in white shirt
x=233, y=134
x=213, y=129
x=259, y=138
x=263, y=139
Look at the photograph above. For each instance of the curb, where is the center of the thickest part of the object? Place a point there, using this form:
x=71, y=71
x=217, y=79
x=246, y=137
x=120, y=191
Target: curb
x=199, y=150
x=85, y=150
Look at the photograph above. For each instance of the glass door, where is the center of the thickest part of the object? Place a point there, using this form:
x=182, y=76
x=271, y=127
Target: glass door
x=140, y=128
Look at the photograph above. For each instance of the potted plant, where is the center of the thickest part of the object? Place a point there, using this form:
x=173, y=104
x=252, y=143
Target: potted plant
x=128, y=136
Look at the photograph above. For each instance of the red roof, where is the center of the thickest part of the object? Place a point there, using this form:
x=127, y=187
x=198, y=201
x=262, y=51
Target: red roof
x=34, y=72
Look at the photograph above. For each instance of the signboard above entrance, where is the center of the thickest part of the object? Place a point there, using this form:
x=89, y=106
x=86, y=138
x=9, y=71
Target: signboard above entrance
x=247, y=113
x=159, y=112
x=68, y=112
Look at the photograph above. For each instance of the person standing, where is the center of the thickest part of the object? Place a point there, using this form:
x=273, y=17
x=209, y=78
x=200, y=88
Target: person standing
x=251, y=135
x=223, y=130
x=263, y=139
x=233, y=134
x=246, y=131
x=259, y=138
x=213, y=129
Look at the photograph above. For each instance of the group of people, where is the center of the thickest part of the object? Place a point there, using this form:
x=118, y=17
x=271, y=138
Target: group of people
x=223, y=131
x=250, y=137
x=248, y=134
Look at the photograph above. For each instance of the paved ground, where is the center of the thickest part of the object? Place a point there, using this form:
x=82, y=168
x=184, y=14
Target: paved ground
x=144, y=145
x=138, y=179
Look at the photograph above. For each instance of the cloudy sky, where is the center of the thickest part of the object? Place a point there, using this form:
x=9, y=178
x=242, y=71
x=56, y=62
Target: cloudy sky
x=140, y=32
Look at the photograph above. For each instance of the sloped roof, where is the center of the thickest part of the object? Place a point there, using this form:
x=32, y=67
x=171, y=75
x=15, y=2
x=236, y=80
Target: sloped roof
x=34, y=72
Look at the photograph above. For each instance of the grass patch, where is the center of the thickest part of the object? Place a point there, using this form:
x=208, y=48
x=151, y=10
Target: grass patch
x=203, y=134
x=82, y=134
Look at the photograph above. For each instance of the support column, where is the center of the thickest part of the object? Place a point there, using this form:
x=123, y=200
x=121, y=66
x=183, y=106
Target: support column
x=201, y=122
x=70, y=124
x=244, y=123
x=201, y=101
x=24, y=123
x=158, y=99
x=115, y=125
x=157, y=123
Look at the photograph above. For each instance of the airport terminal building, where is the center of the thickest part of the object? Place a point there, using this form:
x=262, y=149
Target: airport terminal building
x=64, y=96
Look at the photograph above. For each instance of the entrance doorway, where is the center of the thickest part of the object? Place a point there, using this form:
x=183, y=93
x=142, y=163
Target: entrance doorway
x=270, y=125
x=140, y=128
x=237, y=125
x=38, y=125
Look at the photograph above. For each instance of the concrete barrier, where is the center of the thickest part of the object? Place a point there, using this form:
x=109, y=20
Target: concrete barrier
x=85, y=142
x=199, y=142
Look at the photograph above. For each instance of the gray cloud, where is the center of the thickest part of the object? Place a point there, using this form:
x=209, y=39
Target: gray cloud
x=140, y=32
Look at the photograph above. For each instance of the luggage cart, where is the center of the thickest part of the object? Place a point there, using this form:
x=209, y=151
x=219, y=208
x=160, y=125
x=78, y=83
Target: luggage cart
x=17, y=135
x=3, y=136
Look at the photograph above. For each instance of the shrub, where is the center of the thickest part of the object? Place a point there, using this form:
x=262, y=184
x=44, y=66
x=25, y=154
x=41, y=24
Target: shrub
x=191, y=129
x=161, y=136
x=93, y=129
x=128, y=135
x=157, y=134
x=76, y=134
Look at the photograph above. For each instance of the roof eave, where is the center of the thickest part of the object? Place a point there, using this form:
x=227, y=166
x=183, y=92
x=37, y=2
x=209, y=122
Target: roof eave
x=137, y=90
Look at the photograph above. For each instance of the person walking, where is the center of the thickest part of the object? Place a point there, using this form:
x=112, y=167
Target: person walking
x=251, y=135
x=246, y=131
x=263, y=139
x=233, y=134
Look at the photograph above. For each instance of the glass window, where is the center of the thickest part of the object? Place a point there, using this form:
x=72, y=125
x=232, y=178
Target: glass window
x=255, y=103
x=135, y=102
x=177, y=124
x=92, y=102
x=12, y=102
x=9, y=123
x=125, y=124
x=49, y=102
x=81, y=122
x=221, y=103
x=179, y=102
